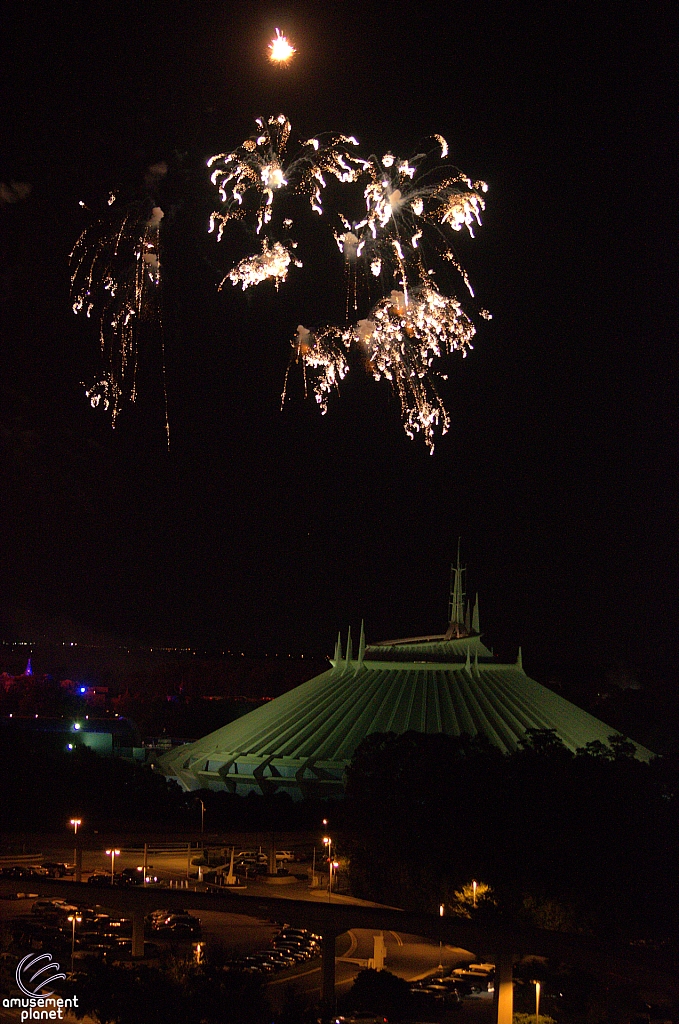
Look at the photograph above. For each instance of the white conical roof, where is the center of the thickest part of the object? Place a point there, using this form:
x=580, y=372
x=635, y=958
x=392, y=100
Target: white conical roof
x=302, y=742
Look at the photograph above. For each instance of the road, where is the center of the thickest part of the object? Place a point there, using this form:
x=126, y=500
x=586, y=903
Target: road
x=408, y=956
x=233, y=934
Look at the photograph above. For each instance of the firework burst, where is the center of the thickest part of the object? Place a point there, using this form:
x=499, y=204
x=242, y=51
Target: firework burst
x=399, y=341
x=115, y=281
x=412, y=206
x=252, y=178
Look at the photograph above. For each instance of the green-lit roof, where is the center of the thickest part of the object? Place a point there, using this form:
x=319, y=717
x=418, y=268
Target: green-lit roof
x=302, y=742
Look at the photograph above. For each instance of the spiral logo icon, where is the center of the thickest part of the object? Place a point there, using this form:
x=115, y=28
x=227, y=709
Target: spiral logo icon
x=35, y=973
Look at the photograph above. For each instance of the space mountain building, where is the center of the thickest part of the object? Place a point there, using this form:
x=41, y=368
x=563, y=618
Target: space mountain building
x=302, y=742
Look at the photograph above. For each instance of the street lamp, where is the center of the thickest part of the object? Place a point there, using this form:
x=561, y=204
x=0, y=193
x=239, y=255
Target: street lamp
x=76, y=822
x=474, y=887
x=327, y=842
x=440, y=941
x=74, y=919
x=113, y=854
x=202, y=815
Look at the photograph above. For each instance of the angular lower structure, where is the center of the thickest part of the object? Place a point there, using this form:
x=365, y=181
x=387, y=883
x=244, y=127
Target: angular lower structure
x=302, y=742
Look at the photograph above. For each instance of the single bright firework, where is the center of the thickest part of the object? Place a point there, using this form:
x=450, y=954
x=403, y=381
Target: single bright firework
x=281, y=49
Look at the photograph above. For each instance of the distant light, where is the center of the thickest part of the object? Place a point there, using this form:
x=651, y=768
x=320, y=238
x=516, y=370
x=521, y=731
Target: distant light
x=70, y=746
x=83, y=689
x=76, y=725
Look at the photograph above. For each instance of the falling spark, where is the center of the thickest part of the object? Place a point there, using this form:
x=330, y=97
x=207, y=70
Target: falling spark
x=324, y=362
x=115, y=280
x=280, y=49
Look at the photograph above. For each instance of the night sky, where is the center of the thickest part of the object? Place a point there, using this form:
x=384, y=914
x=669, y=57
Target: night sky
x=269, y=531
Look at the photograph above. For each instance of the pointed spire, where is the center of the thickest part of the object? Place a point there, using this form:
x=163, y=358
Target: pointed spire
x=475, y=617
x=468, y=663
x=349, y=650
x=476, y=665
x=361, y=645
x=456, y=616
x=467, y=620
x=519, y=661
x=338, y=654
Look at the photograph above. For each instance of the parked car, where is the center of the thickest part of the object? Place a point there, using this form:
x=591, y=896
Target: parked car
x=179, y=926
x=18, y=871
x=362, y=1016
x=99, y=878
x=57, y=869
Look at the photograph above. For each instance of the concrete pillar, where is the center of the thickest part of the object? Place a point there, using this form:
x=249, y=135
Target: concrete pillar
x=504, y=989
x=379, y=952
x=328, y=971
x=137, y=932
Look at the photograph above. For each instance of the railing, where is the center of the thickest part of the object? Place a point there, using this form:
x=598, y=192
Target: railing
x=21, y=859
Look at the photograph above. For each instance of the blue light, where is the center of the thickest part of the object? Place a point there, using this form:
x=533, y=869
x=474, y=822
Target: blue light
x=70, y=746
x=76, y=725
x=83, y=689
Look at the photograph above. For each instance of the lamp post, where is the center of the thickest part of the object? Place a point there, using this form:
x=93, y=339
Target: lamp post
x=440, y=941
x=327, y=842
x=75, y=822
x=474, y=887
x=113, y=854
x=202, y=815
x=74, y=919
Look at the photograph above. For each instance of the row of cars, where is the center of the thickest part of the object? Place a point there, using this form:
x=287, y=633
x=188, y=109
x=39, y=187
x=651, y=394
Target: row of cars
x=58, y=926
x=124, y=878
x=289, y=947
x=90, y=931
x=50, y=869
x=448, y=988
